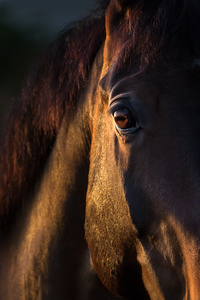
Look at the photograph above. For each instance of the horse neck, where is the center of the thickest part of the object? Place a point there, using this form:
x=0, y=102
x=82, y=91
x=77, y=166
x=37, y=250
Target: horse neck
x=48, y=237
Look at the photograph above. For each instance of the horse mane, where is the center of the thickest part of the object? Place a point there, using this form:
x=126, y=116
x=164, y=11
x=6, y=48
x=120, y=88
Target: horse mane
x=52, y=90
x=54, y=85
x=156, y=28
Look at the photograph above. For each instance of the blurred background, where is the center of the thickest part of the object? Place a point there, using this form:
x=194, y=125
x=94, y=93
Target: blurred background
x=26, y=28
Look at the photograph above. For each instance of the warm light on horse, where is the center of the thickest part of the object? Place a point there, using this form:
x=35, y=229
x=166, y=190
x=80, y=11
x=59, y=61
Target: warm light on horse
x=100, y=161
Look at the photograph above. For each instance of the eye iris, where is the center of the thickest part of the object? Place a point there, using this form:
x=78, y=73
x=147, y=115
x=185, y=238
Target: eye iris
x=122, y=118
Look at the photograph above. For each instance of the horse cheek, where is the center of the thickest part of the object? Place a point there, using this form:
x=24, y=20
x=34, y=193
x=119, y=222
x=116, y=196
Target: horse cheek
x=110, y=233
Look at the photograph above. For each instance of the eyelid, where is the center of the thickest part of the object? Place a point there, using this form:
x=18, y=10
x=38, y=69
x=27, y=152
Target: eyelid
x=119, y=104
x=124, y=96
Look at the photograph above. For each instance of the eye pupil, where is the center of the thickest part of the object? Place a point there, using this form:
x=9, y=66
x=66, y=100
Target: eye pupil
x=122, y=118
x=121, y=121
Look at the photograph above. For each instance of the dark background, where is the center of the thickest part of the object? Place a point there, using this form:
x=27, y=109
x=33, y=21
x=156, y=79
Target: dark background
x=26, y=28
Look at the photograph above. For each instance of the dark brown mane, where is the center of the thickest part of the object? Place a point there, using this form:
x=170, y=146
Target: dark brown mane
x=52, y=90
x=153, y=27
x=156, y=28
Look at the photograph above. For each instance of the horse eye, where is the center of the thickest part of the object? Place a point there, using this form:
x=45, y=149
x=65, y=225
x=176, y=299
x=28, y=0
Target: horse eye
x=124, y=119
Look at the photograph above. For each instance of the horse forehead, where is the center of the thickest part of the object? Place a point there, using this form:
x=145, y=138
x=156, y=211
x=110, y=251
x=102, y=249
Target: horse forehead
x=125, y=71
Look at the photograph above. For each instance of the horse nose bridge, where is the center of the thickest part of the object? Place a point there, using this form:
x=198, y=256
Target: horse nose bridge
x=188, y=166
x=184, y=196
x=182, y=151
x=186, y=178
x=175, y=177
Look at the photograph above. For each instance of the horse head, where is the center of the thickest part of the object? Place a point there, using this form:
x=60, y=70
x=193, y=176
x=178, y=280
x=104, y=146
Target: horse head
x=143, y=191
x=104, y=145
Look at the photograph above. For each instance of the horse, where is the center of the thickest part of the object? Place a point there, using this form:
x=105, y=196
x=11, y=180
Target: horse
x=99, y=164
